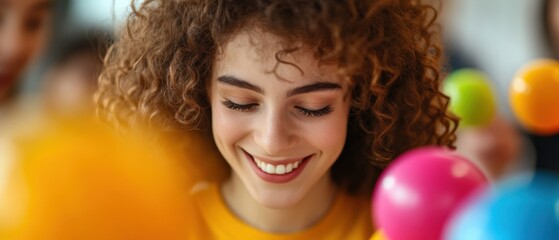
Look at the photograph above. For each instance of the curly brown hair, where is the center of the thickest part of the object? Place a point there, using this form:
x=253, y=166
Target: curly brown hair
x=158, y=71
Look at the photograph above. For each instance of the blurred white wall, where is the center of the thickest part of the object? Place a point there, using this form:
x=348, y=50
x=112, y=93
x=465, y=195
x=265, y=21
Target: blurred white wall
x=105, y=13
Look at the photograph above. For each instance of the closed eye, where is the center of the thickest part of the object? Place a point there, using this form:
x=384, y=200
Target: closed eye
x=315, y=113
x=239, y=107
x=248, y=107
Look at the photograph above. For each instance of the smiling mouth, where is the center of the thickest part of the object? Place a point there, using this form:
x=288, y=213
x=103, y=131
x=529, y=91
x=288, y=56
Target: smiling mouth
x=279, y=172
x=278, y=169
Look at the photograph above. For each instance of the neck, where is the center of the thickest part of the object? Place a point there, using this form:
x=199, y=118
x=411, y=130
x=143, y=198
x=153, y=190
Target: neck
x=309, y=210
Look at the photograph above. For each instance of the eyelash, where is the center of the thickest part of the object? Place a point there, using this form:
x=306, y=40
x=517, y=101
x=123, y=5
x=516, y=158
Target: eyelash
x=238, y=107
x=315, y=113
x=247, y=107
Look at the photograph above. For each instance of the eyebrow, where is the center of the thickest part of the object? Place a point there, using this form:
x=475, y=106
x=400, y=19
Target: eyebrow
x=43, y=5
x=233, y=81
x=315, y=87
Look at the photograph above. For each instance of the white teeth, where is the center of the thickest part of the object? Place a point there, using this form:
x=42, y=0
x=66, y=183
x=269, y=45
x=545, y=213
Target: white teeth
x=270, y=168
x=289, y=168
x=279, y=169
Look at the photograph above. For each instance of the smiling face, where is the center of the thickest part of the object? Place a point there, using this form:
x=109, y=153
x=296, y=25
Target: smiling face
x=24, y=28
x=280, y=126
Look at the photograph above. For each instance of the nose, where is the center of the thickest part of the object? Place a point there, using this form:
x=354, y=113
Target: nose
x=275, y=133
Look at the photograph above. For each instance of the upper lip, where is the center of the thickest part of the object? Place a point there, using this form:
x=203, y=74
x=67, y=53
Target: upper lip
x=276, y=161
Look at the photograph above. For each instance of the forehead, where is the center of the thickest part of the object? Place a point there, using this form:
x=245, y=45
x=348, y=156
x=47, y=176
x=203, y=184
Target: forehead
x=27, y=5
x=260, y=52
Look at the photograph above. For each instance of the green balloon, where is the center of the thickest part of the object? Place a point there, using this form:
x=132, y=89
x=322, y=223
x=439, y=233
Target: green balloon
x=471, y=97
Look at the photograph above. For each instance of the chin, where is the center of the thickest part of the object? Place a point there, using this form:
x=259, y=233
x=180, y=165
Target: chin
x=277, y=199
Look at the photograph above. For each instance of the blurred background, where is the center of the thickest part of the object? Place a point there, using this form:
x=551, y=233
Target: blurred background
x=51, y=52
x=498, y=38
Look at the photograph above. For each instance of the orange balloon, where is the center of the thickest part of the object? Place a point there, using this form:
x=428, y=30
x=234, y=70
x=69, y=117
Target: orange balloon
x=534, y=96
x=81, y=181
x=379, y=235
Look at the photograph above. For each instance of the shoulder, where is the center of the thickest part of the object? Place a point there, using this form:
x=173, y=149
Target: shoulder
x=205, y=201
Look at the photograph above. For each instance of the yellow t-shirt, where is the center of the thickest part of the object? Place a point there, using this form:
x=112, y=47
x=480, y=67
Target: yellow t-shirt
x=349, y=218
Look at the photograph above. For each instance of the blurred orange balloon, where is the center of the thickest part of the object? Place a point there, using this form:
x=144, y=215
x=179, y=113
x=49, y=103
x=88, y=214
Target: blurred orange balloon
x=534, y=96
x=379, y=235
x=81, y=181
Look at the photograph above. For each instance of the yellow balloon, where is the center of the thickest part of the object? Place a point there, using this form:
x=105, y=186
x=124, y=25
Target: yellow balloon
x=534, y=96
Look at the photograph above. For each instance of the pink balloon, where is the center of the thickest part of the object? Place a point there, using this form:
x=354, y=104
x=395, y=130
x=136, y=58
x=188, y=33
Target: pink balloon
x=418, y=192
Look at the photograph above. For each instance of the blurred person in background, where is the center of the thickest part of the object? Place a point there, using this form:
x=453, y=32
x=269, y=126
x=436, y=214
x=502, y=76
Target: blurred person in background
x=71, y=78
x=25, y=27
x=547, y=147
x=498, y=37
x=550, y=23
x=498, y=147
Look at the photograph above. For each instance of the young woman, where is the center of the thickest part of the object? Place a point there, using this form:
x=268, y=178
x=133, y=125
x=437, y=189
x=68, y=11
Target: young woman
x=306, y=101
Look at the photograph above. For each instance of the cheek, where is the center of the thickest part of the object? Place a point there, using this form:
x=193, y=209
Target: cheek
x=37, y=43
x=37, y=40
x=329, y=135
x=227, y=126
x=31, y=48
